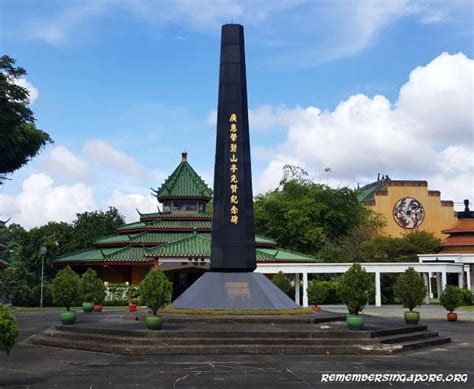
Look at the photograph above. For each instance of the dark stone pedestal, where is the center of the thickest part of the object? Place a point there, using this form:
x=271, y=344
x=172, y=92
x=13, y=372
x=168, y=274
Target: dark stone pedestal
x=225, y=290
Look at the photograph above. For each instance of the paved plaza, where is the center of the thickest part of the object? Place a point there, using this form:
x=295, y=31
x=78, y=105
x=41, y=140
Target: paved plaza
x=35, y=366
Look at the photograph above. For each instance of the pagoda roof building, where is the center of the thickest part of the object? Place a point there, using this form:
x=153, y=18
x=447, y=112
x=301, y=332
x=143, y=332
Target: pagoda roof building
x=176, y=238
x=460, y=235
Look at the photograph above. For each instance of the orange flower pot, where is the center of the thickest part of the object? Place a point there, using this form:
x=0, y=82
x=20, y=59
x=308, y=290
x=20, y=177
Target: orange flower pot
x=452, y=316
x=132, y=308
x=97, y=308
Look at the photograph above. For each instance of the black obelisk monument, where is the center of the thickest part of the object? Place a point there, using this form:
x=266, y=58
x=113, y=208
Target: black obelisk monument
x=233, y=231
x=231, y=283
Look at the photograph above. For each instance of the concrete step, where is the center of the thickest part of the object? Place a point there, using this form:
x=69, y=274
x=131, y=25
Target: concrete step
x=398, y=330
x=422, y=343
x=107, y=339
x=299, y=349
x=317, y=333
x=398, y=338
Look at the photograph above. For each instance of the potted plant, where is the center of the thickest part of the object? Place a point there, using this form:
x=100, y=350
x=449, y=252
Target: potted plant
x=8, y=329
x=353, y=289
x=317, y=294
x=133, y=296
x=450, y=299
x=99, y=294
x=155, y=291
x=87, y=288
x=411, y=291
x=65, y=292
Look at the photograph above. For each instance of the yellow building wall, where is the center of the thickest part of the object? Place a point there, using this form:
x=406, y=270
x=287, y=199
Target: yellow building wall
x=438, y=216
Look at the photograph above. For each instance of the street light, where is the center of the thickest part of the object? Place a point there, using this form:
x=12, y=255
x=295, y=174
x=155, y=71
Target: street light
x=43, y=251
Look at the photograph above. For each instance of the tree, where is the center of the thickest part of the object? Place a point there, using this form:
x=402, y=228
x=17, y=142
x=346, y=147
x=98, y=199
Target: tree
x=282, y=281
x=65, y=288
x=8, y=329
x=304, y=216
x=410, y=289
x=88, y=286
x=451, y=298
x=354, y=287
x=404, y=249
x=155, y=290
x=317, y=292
x=89, y=226
x=21, y=140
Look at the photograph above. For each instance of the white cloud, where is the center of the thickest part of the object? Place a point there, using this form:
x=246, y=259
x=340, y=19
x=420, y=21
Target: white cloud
x=127, y=204
x=427, y=134
x=40, y=201
x=61, y=162
x=32, y=90
x=109, y=156
x=440, y=98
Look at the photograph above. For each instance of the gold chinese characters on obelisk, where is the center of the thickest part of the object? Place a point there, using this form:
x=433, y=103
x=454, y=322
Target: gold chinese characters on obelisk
x=234, y=181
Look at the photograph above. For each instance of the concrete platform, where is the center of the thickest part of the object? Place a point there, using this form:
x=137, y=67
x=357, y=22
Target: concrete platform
x=323, y=333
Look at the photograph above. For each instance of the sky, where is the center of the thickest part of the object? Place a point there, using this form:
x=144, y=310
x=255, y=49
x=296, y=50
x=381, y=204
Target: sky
x=123, y=87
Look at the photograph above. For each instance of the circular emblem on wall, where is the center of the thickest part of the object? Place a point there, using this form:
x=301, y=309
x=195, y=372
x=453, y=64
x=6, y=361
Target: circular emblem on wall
x=408, y=213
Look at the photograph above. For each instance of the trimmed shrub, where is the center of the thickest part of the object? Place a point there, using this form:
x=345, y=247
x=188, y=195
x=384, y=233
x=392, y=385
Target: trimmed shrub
x=317, y=293
x=282, y=281
x=155, y=290
x=99, y=291
x=65, y=288
x=451, y=298
x=466, y=296
x=410, y=289
x=87, y=286
x=8, y=329
x=353, y=288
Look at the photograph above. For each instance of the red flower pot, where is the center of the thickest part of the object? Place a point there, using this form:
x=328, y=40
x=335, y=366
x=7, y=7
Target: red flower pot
x=452, y=316
x=316, y=308
x=97, y=308
x=132, y=308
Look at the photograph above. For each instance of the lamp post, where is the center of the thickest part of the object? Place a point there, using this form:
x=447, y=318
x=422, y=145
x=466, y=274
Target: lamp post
x=43, y=251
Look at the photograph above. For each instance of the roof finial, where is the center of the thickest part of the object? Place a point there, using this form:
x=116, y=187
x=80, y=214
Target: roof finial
x=184, y=156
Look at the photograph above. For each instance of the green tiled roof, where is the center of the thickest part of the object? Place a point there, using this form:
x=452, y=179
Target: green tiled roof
x=171, y=224
x=160, y=237
x=128, y=254
x=131, y=225
x=200, y=246
x=192, y=246
x=282, y=255
x=116, y=239
x=366, y=193
x=176, y=215
x=86, y=255
x=184, y=182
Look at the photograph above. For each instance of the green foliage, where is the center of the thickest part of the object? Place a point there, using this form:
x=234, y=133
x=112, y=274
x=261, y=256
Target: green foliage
x=91, y=287
x=405, y=249
x=117, y=294
x=133, y=295
x=8, y=329
x=89, y=226
x=451, y=298
x=353, y=288
x=155, y=290
x=466, y=296
x=21, y=140
x=282, y=281
x=304, y=216
x=65, y=288
x=21, y=279
x=317, y=293
x=410, y=289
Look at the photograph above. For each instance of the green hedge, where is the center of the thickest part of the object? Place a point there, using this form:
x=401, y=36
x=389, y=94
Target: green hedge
x=118, y=294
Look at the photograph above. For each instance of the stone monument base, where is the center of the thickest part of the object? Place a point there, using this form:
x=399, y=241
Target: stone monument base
x=227, y=290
